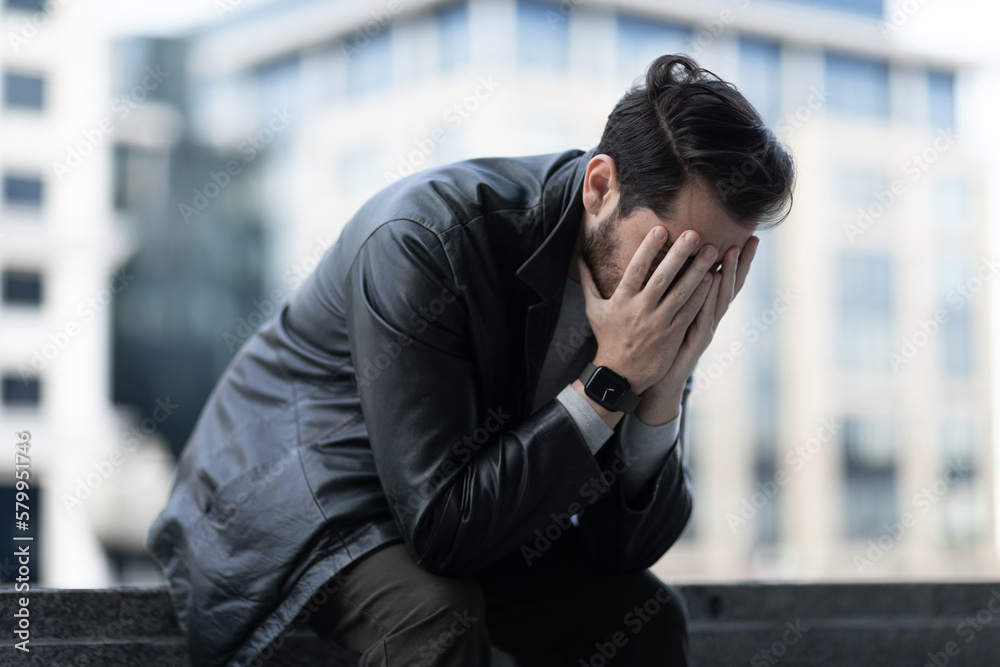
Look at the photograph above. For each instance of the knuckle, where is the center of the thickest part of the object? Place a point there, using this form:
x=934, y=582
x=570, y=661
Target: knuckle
x=658, y=280
x=689, y=310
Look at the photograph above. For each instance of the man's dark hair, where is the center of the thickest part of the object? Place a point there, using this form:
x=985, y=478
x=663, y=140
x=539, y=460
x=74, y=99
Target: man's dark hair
x=686, y=122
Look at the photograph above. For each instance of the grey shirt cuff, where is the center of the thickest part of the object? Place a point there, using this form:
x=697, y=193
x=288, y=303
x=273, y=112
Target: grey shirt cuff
x=595, y=431
x=648, y=446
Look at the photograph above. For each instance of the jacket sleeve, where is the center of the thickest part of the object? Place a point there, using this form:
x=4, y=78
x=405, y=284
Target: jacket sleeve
x=629, y=536
x=465, y=484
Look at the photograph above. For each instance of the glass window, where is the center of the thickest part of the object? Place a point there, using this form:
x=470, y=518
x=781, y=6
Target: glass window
x=766, y=526
x=951, y=203
x=869, y=465
x=361, y=170
x=25, y=92
x=453, y=36
x=760, y=77
x=857, y=85
x=27, y=5
x=964, y=502
x=957, y=343
x=643, y=40
x=941, y=98
x=542, y=35
x=21, y=393
x=867, y=7
x=956, y=340
x=857, y=187
x=278, y=87
x=22, y=287
x=369, y=63
x=864, y=311
x=22, y=191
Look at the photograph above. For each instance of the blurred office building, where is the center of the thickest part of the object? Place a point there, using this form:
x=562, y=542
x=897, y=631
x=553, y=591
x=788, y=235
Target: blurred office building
x=841, y=426
x=95, y=473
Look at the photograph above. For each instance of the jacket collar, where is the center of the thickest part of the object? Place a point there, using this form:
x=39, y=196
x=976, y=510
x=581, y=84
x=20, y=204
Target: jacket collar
x=546, y=270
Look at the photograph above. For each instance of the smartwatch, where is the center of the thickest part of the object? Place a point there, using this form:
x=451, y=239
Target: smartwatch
x=610, y=390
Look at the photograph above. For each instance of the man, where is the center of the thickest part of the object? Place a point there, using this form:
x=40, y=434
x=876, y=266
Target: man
x=464, y=428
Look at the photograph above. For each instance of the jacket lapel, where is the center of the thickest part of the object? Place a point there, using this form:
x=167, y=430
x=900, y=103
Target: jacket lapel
x=546, y=270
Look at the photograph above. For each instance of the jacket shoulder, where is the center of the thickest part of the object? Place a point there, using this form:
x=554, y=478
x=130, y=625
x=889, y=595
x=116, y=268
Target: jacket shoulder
x=457, y=193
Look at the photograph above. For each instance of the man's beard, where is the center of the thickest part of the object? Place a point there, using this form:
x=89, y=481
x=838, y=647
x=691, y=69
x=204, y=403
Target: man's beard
x=597, y=249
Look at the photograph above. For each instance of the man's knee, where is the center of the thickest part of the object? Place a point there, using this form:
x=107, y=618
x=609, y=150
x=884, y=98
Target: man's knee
x=452, y=598
x=659, y=623
x=673, y=607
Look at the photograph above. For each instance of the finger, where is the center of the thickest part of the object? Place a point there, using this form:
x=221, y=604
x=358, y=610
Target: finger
x=638, y=267
x=678, y=255
x=685, y=285
x=727, y=286
x=699, y=334
x=711, y=319
x=689, y=309
x=743, y=266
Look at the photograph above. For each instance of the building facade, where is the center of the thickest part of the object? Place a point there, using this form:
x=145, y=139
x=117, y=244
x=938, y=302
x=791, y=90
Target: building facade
x=95, y=473
x=840, y=426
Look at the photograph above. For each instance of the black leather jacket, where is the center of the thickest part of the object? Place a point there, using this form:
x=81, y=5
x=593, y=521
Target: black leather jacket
x=388, y=399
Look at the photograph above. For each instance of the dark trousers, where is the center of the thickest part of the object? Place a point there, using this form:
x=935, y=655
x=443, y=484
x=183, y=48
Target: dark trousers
x=562, y=610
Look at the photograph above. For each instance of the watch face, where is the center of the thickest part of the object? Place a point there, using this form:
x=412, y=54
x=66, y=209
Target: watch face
x=607, y=388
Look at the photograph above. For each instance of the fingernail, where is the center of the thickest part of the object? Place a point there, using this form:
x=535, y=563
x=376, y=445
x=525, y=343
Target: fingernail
x=705, y=279
x=689, y=237
x=658, y=232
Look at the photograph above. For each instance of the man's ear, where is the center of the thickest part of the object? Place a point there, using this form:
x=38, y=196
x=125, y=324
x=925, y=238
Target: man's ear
x=600, y=185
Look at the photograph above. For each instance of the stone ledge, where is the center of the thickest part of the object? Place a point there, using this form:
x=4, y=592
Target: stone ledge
x=879, y=624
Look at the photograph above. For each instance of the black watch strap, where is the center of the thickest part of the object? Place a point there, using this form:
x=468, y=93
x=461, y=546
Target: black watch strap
x=631, y=401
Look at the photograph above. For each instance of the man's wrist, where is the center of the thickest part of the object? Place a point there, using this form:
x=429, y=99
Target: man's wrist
x=658, y=408
x=610, y=418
